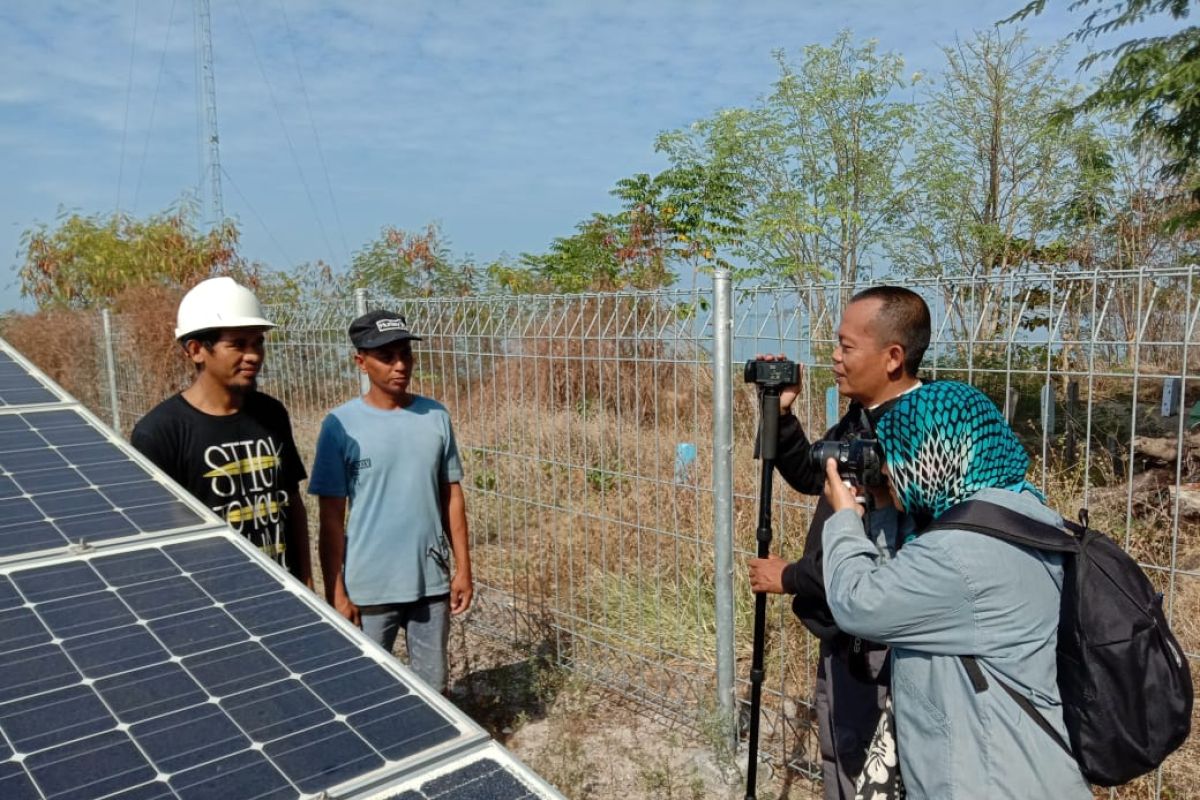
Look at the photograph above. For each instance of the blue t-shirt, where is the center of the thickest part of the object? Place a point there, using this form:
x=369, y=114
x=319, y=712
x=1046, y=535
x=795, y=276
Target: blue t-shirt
x=390, y=465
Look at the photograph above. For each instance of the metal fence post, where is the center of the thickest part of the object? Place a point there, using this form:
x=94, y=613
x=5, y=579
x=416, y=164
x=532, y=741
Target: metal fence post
x=723, y=490
x=110, y=367
x=360, y=308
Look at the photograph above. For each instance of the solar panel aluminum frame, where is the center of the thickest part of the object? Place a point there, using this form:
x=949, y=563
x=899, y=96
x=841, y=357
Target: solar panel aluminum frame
x=471, y=735
x=208, y=519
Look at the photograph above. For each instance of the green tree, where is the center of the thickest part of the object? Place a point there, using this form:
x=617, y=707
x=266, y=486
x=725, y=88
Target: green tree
x=992, y=171
x=684, y=217
x=85, y=262
x=815, y=162
x=404, y=264
x=1155, y=80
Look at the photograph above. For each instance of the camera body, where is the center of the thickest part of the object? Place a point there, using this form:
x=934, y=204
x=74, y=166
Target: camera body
x=859, y=461
x=772, y=374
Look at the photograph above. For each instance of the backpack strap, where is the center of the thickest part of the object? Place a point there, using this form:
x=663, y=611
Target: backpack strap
x=1007, y=525
x=979, y=683
x=999, y=522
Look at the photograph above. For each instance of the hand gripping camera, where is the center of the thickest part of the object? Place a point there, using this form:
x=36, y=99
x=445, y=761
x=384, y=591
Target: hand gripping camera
x=859, y=461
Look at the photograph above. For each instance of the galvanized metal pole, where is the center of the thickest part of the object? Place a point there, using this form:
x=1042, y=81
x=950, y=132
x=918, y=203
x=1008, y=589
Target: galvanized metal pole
x=360, y=308
x=110, y=367
x=723, y=491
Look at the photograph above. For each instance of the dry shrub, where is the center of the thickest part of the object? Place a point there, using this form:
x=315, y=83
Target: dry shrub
x=151, y=363
x=64, y=345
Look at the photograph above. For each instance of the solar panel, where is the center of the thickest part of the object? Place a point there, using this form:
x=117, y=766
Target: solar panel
x=20, y=384
x=148, y=670
x=162, y=657
x=64, y=479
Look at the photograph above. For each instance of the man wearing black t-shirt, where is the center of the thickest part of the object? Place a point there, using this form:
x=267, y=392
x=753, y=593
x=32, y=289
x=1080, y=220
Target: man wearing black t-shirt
x=882, y=338
x=228, y=444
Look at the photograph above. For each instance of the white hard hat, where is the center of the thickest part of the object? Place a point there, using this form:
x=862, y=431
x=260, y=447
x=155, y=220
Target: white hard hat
x=218, y=303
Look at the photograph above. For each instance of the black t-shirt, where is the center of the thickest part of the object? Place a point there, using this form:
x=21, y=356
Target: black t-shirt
x=243, y=466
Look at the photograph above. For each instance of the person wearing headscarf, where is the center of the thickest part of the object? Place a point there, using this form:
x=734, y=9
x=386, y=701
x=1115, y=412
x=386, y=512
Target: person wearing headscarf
x=952, y=593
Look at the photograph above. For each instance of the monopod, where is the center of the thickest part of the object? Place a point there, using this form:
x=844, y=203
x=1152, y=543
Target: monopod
x=771, y=377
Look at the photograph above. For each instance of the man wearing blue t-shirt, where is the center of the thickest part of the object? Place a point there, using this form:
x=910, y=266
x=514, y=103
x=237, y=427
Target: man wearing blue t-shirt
x=392, y=455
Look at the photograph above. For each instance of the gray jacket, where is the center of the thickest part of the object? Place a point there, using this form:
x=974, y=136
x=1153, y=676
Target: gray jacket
x=951, y=593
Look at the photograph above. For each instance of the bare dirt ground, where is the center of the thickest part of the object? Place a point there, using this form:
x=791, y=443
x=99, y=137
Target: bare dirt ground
x=589, y=742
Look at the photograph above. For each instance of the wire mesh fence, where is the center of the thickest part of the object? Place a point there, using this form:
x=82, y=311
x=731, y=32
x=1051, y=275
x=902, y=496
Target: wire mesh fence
x=586, y=425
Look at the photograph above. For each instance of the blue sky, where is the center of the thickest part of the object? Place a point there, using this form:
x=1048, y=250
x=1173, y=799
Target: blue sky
x=505, y=122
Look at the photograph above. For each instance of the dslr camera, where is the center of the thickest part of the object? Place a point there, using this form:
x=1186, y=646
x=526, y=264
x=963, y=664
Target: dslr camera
x=772, y=374
x=859, y=461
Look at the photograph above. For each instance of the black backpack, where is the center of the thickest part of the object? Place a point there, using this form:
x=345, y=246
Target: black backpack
x=1125, y=683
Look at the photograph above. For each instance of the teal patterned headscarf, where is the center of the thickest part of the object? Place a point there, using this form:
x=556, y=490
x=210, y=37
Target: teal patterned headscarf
x=943, y=443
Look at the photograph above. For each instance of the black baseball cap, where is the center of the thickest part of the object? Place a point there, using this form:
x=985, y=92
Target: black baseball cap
x=379, y=328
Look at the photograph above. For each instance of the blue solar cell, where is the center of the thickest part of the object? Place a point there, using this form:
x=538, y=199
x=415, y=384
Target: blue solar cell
x=47, y=420
x=8, y=488
x=353, y=687
x=19, y=628
x=246, y=775
x=54, y=718
x=278, y=612
x=89, y=768
x=106, y=653
x=140, y=566
x=163, y=598
x=188, y=738
x=270, y=712
x=236, y=581
x=163, y=517
x=34, y=669
x=150, y=692
x=307, y=649
x=26, y=439
x=63, y=436
x=19, y=396
x=60, y=505
x=235, y=669
x=321, y=757
x=9, y=597
x=57, y=581
x=197, y=631
x=18, y=510
x=403, y=727
x=75, y=616
x=15, y=783
x=28, y=460
x=49, y=480
x=113, y=473
x=204, y=554
x=84, y=454
x=30, y=536
x=95, y=527
x=140, y=493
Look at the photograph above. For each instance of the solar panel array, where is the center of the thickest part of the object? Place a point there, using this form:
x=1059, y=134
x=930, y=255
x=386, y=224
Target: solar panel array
x=149, y=653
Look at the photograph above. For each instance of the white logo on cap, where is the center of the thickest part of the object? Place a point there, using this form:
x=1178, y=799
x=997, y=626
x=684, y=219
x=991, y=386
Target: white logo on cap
x=385, y=325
